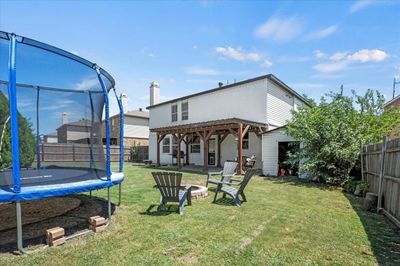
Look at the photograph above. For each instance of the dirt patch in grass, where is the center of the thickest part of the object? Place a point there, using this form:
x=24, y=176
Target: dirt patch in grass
x=256, y=233
x=189, y=258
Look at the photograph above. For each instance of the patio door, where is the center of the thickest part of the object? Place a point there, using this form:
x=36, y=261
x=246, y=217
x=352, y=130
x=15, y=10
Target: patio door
x=211, y=152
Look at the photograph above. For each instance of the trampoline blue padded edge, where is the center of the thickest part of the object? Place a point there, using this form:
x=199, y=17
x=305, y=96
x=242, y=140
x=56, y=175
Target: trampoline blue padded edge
x=55, y=190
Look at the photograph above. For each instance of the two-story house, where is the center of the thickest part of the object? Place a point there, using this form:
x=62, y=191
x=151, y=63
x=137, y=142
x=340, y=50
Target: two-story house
x=224, y=123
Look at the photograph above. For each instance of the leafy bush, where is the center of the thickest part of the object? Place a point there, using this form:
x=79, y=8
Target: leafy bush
x=332, y=131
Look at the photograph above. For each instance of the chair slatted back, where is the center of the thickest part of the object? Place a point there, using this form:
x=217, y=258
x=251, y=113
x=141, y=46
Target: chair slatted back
x=229, y=171
x=247, y=176
x=168, y=183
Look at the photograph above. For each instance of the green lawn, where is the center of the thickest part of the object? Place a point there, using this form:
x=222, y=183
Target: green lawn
x=283, y=222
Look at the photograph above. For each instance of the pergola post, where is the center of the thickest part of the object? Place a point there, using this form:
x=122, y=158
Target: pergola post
x=179, y=138
x=205, y=136
x=187, y=143
x=160, y=137
x=221, y=138
x=240, y=149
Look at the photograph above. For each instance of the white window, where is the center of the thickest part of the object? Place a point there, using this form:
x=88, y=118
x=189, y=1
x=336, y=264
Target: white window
x=174, y=112
x=195, y=145
x=165, y=145
x=174, y=145
x=185, y=110
x=245, y=143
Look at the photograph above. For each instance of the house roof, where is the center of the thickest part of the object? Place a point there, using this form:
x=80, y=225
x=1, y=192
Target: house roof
x=135, y=113
x=82, y=122
x=269, y=76
x=275, y=129
x=394, y=100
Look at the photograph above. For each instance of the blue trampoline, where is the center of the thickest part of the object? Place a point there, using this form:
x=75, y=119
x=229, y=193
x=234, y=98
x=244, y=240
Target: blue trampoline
x=51, y=132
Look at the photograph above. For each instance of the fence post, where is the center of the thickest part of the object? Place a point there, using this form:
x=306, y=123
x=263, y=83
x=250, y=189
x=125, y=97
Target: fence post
x=73, y=152
x=362, y=160
x=381, y=174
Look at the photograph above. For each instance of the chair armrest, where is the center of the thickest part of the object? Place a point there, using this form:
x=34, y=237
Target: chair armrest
x=215, y=173
x=236, y=180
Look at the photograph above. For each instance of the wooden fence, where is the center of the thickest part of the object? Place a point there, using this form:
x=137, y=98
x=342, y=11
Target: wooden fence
x=381, y=169
x=74, y=152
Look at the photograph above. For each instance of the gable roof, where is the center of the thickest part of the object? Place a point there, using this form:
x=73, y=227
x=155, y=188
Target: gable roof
x=269, y=76
x=393, y=101
x=135, y=113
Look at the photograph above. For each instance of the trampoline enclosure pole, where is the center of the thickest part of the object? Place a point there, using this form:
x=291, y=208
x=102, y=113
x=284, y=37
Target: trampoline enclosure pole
x=121, y=132
x=107, y=122
x=12, y=92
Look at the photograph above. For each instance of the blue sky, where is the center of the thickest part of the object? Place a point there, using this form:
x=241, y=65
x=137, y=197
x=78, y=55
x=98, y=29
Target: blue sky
x=313, y=46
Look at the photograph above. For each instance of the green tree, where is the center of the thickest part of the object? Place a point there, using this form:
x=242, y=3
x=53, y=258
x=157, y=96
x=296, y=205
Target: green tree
x=27, y=147
x=331, y=132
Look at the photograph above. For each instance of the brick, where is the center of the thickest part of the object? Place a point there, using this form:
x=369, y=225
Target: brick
x=98, y=221
x=57, y=242
x=97, y=228
x=91, y=219
x=55, y=233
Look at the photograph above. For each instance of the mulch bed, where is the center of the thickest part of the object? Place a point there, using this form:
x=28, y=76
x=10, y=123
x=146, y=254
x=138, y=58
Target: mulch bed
x=71, y=213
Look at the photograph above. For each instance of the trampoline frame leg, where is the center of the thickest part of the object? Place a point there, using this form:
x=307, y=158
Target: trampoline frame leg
x=19, y=227
x=90, y=193
x=119, y=193
x=109, y=205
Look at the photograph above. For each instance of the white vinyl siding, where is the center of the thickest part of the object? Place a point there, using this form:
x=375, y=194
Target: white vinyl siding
x=279, y=105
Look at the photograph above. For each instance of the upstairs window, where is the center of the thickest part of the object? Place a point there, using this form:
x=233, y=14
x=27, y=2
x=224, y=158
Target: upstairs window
x=195, y=145
x=245, y=143
x=174, y=112
x=185, y=110
x=165, y=145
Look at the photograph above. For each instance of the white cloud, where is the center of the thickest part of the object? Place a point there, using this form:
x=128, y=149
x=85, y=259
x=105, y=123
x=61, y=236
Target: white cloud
x=361, y=4
x=194, y=47
x=331, y=66
x=280, y=29
x=266, y=63
x=319, y=54
x=151, y=55
x=201, y=71
x=87, y=84
x=366, y=55
x=341, y=60
x=238, y=54
x=320, y=34
x=338, y=56
x=293, y=59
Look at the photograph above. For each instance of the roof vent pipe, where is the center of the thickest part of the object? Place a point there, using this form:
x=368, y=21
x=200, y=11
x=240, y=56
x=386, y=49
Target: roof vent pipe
x=220, y=84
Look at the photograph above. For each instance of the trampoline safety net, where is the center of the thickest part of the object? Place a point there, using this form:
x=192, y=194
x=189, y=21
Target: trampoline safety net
x=60, y=105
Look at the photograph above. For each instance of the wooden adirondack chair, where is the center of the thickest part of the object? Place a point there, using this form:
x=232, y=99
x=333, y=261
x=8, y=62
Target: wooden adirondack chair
x=235, y=192
x=169, y=184
x=226, y=174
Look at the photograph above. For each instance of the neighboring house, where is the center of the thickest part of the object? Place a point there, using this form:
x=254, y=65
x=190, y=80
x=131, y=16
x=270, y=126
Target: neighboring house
x=136, y=128
x=394, y=103
x=233, y=120
x=51, y=137
x=75, y=132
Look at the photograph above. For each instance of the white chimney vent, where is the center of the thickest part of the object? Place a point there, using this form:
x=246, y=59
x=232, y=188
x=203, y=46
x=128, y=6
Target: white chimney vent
x=124, y=100
x=64, y=118
x=154, y=93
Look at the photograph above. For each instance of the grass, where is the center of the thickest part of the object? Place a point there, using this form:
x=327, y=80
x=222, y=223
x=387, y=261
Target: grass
x=283, y=222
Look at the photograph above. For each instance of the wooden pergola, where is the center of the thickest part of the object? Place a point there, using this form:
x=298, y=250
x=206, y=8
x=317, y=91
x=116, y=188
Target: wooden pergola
x=204, y=130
